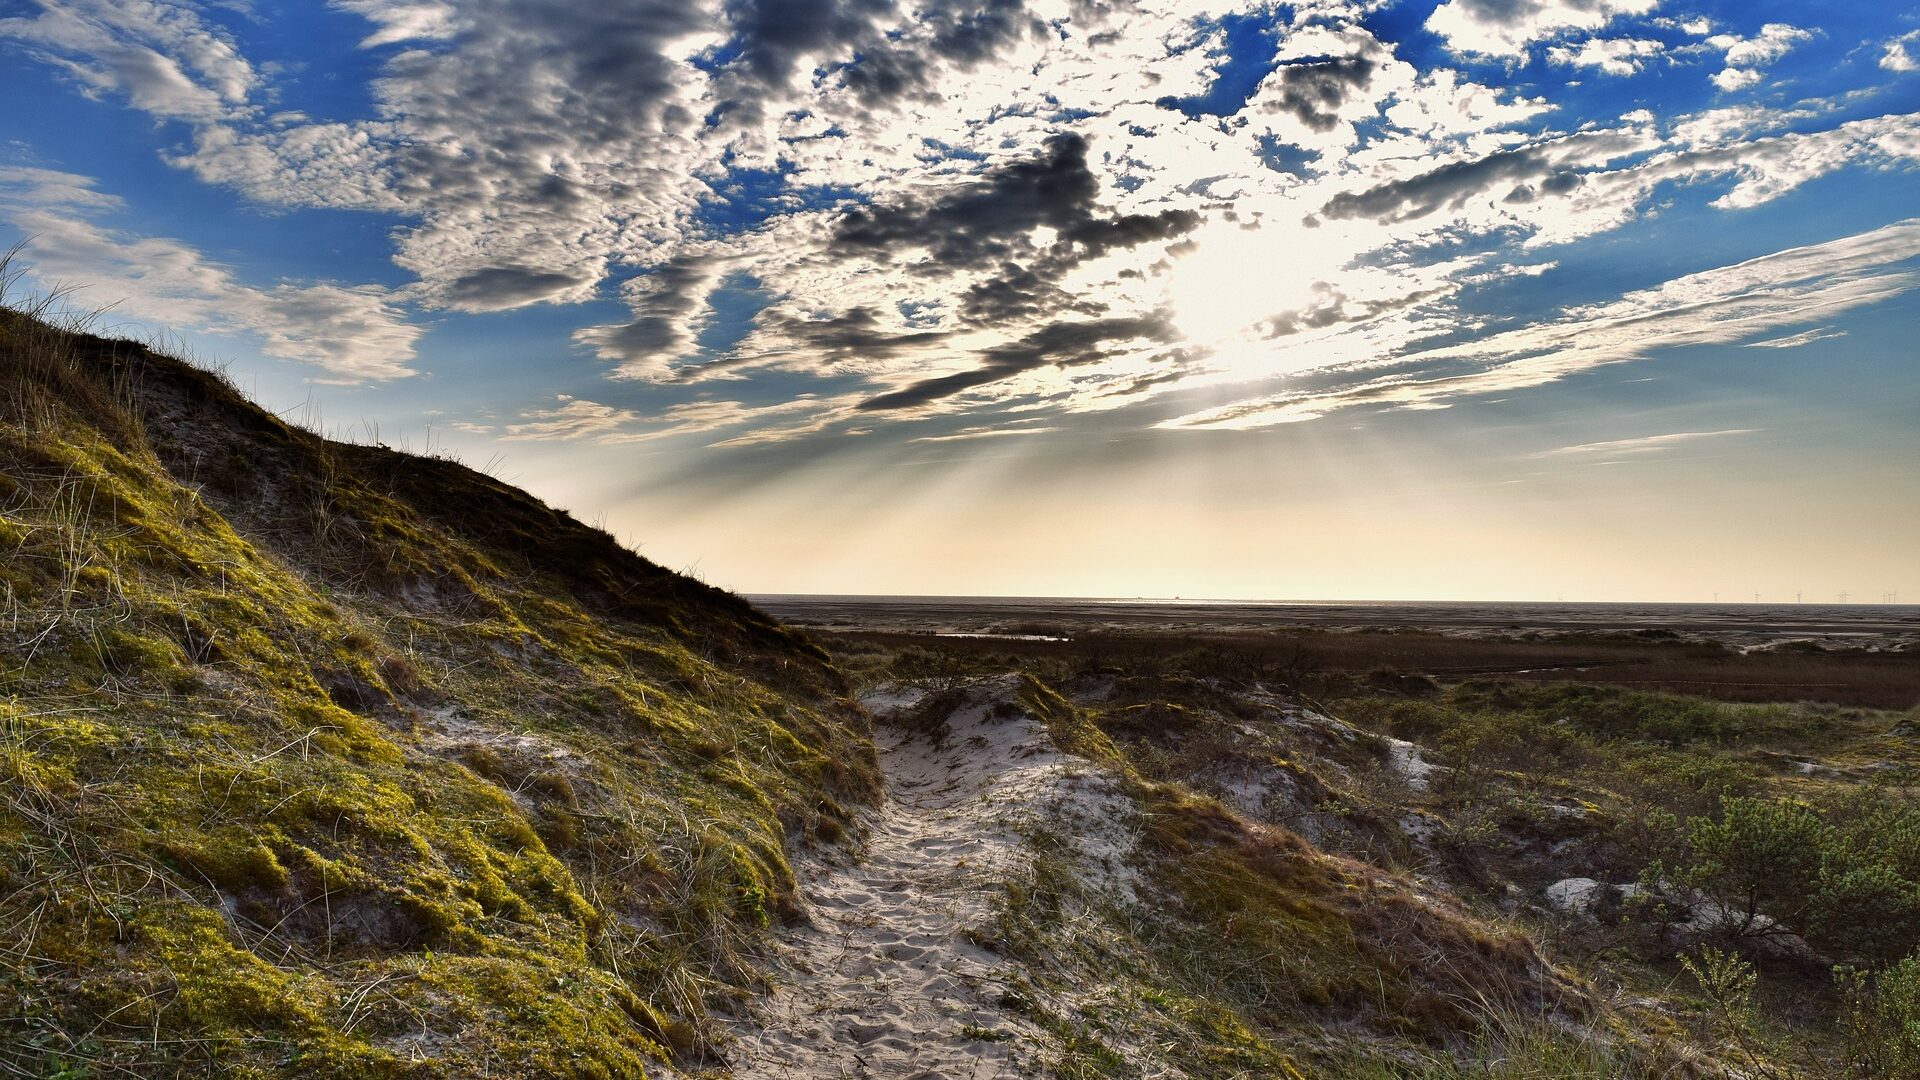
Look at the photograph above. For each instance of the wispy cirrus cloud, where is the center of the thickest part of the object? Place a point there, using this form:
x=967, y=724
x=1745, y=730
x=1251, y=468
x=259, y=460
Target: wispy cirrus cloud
x=1794, y=341
x=1644, y=444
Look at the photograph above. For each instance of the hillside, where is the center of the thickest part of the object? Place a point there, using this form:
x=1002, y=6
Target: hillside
x=321, y=759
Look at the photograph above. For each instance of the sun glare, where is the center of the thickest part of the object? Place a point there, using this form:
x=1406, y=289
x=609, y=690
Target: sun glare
x=1234, y=279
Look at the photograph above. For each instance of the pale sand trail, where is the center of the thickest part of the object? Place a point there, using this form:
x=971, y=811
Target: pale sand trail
x=885, y=983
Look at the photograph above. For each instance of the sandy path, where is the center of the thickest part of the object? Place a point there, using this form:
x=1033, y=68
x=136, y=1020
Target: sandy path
x=886, y=983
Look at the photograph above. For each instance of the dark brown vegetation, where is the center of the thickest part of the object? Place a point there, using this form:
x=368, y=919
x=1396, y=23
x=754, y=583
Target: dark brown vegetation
x=1869, y=679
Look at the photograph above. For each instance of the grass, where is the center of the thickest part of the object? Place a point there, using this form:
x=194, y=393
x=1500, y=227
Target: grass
x=321, y=760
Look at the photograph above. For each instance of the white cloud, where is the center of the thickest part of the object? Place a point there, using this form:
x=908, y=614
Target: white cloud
x=401, y=20
x=1896, y=58
x=1773, y=41
x=573, y=418
x=1745, y=56
x=352, y=333
x=1794, y=341
x=1507, y=27
x=1612, y=56
x=1647, y=444
x=160, y=55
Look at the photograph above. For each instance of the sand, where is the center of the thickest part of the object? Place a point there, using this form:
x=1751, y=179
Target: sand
x=887, y=980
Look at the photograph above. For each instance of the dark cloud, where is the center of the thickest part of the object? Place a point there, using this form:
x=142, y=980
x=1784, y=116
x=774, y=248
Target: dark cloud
x=1331, y=307
x=1314, y=90
x=990, y=221
x=1560, y=183
x=888, y=75
x=1096, y=238
x=1451, y=185
x=773, y=36
x=663, y=302
x=961, y=35
x=1020, y=292
x=984, y=222
x=1060, y=344
x=498, y=288
x=854, y=334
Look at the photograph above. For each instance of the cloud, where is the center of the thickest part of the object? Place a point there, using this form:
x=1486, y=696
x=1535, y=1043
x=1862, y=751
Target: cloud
x=1745, y=56
x=1715, y=307
x=1062, y=344
x=1646, y=444
x=352, y=333
x=1507, y=27
x=1001, y=241
x=1549, y=168
x=1774, y=41
x=1612, y=56
x=1766, y=168
x=160, y=56
x=580, y=420
x=1896, y=58
x=573, y=418
x=995, y=220
x=1313, y=91
x=946, y=36
x=1794, y=341
x=401, y=20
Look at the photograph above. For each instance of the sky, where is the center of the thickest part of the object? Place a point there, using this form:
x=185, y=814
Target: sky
x=1342, y=299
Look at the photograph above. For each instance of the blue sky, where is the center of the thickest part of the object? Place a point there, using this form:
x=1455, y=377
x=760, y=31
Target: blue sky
x=1602, y=299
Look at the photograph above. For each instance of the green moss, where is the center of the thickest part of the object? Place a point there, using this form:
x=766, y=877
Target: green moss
x=231, y=859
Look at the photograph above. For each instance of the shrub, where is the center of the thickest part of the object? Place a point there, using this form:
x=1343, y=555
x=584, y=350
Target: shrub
x=1843, y=887
x=1866, y=911
x=1760, y=855
x=1882, y=1020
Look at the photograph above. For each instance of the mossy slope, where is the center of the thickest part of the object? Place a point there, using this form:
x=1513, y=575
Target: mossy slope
x=320, y=759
